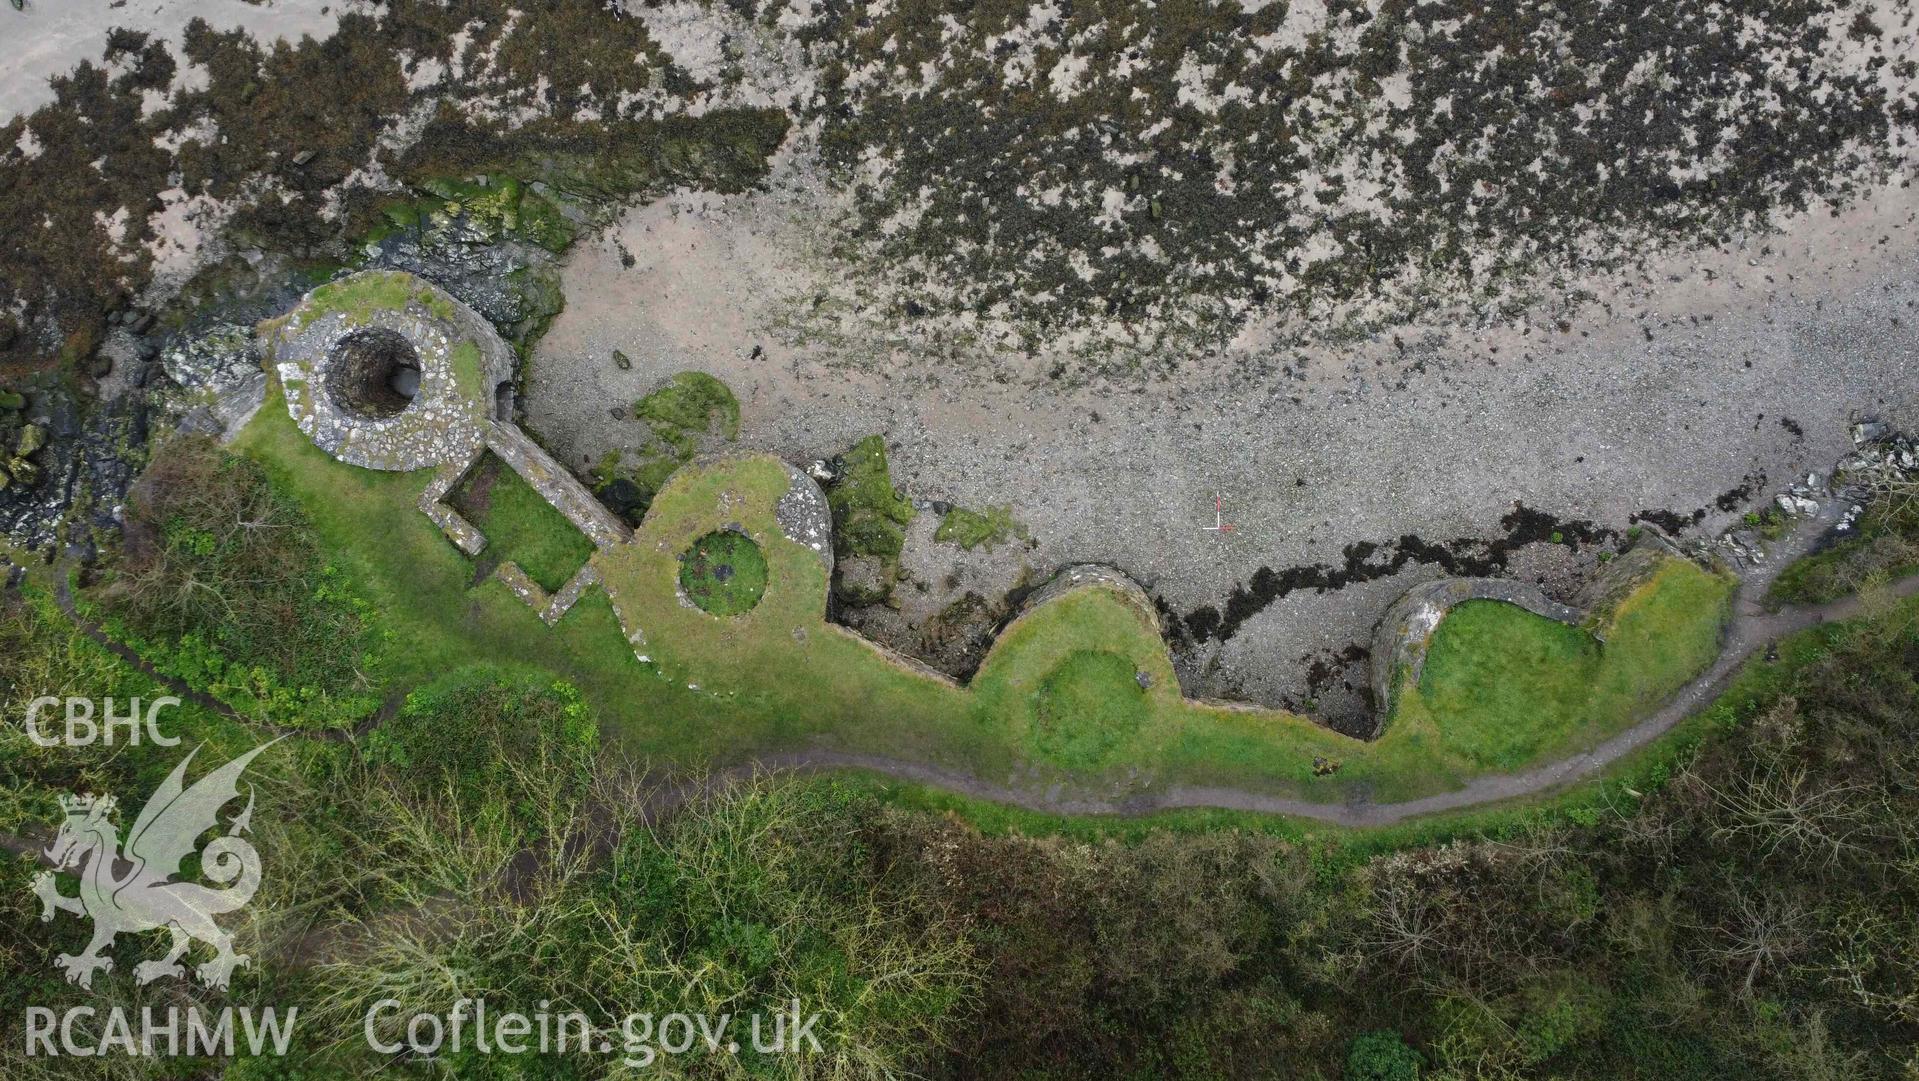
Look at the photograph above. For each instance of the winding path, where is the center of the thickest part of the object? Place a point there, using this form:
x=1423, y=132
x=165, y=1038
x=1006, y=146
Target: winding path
x=1751, y=628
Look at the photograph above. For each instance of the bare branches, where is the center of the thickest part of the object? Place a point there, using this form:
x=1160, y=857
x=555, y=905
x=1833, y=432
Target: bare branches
x=1762, y=932
x=1776, y=806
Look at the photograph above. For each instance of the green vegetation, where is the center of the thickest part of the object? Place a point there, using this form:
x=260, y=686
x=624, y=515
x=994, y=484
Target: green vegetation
x=1089, y=704
x=1381, y=1056
x=427, y=595
x=1499, y=678
x=520, y=525
x=358, y=297
x=1618, y=943
x=503, y=207
x=724, y=573
x=740, y=903
x=1502, y=686
x=679, y=417
x=781, y=675
x=1771, y=522
x=971, y=529
x=869, y=514
x=1733, y=904
x=221, y=583
x=690, y=406
x=1885, y=543
x=488, y=741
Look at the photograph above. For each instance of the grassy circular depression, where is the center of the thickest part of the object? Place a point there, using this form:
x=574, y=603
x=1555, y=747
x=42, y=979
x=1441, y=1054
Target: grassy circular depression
x=724, y=573
x=1088, y=705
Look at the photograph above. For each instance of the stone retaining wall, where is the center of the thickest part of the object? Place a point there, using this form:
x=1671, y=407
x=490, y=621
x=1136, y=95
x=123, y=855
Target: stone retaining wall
x=559, y=487
x=1080, y=575
x=1401, y=637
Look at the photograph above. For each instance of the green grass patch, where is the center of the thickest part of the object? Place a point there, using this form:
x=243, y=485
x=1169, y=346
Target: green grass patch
x=358, y=296
x=724, y=573
x=1503, y=687
x=1091, y=703
x=441, y=619
x=971, y=529
x=781, y=676
x=1499, y=679
x=690, y=405
x=519, y=524
x=468, y=374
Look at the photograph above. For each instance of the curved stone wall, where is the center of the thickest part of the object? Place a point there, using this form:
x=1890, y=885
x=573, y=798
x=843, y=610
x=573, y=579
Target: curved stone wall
x=386, y=371
x=1081, y=575
x=804, y=515
x=1404, y=632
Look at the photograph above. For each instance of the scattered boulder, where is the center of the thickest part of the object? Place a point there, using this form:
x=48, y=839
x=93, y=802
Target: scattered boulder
x=1870, y=431
x=1799, y=506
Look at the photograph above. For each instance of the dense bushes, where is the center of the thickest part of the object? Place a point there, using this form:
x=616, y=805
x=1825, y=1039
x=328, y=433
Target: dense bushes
x=744, y=900
x=1752, y=916
x=478, y=738
x=223, y=585
x=1381, y=1056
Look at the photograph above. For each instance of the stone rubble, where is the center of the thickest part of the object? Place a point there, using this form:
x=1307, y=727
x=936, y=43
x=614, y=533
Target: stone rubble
x=805, y=517
x=1879, y=454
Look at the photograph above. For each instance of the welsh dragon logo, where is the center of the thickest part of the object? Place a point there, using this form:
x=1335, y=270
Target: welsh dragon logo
x=133, y=889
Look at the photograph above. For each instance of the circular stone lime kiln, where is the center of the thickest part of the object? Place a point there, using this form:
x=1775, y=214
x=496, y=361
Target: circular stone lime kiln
x=386, y=371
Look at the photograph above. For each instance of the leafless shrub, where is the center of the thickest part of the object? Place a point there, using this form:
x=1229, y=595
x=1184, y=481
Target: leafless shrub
x=1776, y=806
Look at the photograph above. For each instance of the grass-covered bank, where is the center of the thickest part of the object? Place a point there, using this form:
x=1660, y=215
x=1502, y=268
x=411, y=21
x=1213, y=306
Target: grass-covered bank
x=1602, y=935
x=1502, y=686
x=777, y=676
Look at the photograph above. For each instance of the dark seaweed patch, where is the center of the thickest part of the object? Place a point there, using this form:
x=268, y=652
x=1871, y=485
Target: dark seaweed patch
x=1364, y=561
x=1672, y=522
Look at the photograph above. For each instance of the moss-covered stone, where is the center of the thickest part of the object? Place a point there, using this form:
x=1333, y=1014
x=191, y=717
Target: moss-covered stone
x=689, y=411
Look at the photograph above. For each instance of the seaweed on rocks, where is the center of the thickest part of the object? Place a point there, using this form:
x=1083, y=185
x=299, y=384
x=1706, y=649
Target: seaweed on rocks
x=1365, y=561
